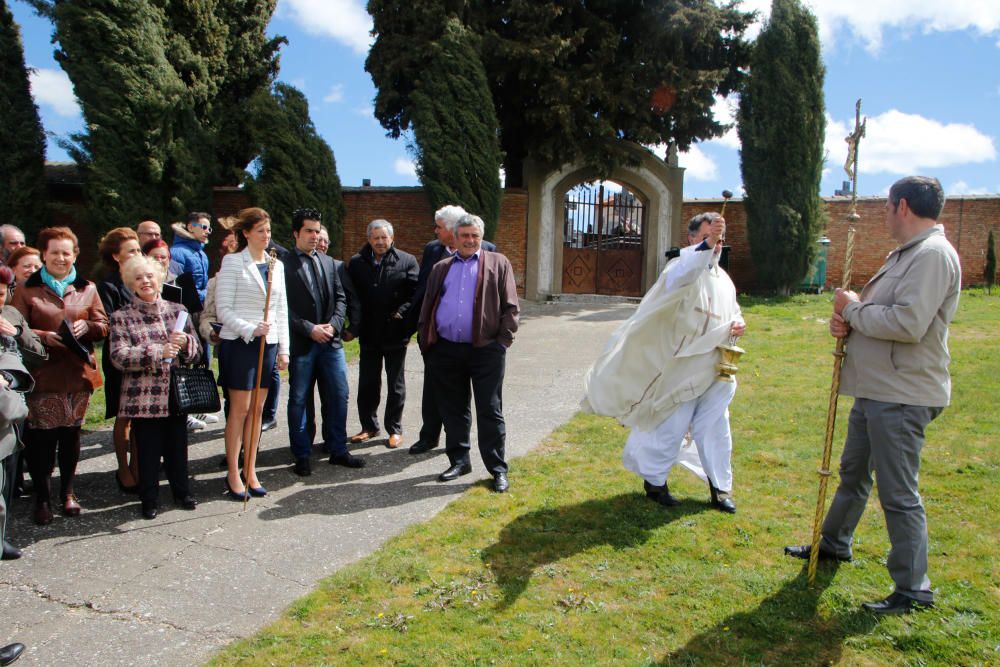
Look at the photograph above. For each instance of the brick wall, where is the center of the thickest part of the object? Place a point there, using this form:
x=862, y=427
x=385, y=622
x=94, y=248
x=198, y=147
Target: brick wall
x=967, y=222
x=412, y=219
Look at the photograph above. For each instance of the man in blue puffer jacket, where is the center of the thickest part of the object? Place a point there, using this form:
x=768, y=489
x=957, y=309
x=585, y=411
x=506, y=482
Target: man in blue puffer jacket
x=187, y=254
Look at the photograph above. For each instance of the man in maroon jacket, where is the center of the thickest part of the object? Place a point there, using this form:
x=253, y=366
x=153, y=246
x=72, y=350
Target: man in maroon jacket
x=467, y=322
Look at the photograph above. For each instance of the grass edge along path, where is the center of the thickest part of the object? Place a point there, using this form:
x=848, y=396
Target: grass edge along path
x=575, y=566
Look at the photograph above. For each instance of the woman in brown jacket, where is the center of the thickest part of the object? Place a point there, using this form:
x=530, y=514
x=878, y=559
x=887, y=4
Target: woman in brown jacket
x=64, y=383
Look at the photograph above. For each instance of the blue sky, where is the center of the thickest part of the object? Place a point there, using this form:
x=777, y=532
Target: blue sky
x=928, y=72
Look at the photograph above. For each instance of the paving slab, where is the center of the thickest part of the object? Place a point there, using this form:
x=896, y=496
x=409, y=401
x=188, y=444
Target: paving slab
x=110, y=588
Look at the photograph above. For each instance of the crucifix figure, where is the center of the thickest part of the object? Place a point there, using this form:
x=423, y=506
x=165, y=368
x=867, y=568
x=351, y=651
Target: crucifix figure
x=851, y=164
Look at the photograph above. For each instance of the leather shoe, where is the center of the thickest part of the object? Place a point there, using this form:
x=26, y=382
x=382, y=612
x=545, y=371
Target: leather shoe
x=500, y=483
x=71, y=506
x=43, y=514
x=302, y=467
x=722, y=500
x=347, y=460
x=187, y=502
x=455, y=471
x=660, y=494
x=897, y=603
x=149, y=510
x=257, y=491
x=363, y=436
x=268, y=425
x=10, y=653
x=419, y=447
x=395, y=440
x=10, y=552
x=804, y=551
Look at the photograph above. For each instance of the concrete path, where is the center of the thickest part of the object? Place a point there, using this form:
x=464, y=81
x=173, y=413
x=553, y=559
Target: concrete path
x=109, y=588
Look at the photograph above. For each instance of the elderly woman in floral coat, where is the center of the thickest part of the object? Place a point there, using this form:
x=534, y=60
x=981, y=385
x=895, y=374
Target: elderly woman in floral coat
x=144, y=345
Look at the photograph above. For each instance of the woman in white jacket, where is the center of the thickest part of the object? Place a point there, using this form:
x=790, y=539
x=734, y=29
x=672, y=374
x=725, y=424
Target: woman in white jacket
x=239, y=302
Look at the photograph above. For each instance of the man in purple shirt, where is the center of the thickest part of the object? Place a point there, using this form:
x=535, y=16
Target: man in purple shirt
x=467, y=322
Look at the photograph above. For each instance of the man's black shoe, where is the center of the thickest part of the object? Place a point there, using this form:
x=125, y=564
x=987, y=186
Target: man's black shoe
x=455, y=472
x=149, y=510
x=722, y=500
x=347, y=460
x=10, y=653
x=269, y=425
x=660, y=494
x=302, y=467
x=500, y=483
x=804, y=550
x=420, y=447
x=10, y=552
x=897, y=603
x=187, y=502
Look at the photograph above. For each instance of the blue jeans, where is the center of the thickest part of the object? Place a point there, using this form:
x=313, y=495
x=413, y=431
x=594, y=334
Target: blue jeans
x=328, y=368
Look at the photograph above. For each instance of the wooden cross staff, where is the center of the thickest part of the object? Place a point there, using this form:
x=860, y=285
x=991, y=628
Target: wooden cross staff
x=256, y=400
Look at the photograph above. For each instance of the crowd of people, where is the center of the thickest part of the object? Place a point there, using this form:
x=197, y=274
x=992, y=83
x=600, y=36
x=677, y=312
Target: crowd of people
x=154, y=306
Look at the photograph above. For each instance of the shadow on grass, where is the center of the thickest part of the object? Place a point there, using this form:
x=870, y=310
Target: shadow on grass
x=783, y=629
x=549, y=535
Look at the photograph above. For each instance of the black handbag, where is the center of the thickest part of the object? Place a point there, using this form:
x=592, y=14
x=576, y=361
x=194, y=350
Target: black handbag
x=193, y=390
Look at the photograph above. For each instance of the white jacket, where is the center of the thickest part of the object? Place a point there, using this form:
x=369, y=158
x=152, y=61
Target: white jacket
x=239, y=300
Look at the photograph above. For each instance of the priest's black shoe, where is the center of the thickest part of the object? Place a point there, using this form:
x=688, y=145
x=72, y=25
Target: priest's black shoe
x=897, y=603
x=420, y=447
x=455, y=472
x=500, y=483
x=149, y=510
x=10, y=653
x=347, y=460
x=186, y=502
x=722, y=500
x=804, y=550
x=10, y=552
x=660, y=494
x=302, y=467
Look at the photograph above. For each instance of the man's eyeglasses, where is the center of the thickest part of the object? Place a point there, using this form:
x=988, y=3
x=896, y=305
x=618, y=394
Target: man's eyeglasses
x=207, y=228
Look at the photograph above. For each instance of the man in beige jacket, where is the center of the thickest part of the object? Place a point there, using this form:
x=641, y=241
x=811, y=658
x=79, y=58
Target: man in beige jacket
x=897, y=370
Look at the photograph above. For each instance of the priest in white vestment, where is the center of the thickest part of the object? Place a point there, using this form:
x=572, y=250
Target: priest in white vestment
x=658, y=372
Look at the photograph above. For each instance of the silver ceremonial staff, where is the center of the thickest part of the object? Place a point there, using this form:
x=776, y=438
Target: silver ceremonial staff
x=851, y=168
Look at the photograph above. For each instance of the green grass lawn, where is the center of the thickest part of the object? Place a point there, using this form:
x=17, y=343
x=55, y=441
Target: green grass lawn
x=575, y=566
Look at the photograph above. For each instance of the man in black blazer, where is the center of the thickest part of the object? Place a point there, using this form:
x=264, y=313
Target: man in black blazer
x=316, y=308
x=385, y=278
x=440, y=248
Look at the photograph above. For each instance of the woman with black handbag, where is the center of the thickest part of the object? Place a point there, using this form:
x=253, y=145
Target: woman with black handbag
x=145, y=344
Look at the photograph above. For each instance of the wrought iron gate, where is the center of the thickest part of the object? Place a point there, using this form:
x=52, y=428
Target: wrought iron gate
x=602, y=241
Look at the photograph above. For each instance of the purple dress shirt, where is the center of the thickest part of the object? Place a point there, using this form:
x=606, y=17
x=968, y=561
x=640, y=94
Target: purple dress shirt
x=458, y=296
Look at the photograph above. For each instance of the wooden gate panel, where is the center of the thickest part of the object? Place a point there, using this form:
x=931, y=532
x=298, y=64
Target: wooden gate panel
x=620, y=273
x=579, y=271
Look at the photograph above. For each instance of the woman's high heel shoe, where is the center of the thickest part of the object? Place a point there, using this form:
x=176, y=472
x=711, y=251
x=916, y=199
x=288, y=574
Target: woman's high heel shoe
x=235, y=495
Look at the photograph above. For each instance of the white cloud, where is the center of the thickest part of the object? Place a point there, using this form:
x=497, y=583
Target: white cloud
x=963, y=188
x=724, y=111
x=344, y=20
x=365, y=110
x=902, y=143
x=336, y=93
x=700, y=167
x=867, y=21
x=405, y=167
x=52, y=88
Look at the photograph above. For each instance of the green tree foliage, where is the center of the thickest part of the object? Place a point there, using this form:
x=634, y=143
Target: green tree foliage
x=295, y=167
x=455, y=128
x=22, y=160
x=991, y=262
x=165, y=87
x=571, y=78
x=781, y=127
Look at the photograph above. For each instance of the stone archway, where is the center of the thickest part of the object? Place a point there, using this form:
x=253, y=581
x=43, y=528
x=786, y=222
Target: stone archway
x=658, y=184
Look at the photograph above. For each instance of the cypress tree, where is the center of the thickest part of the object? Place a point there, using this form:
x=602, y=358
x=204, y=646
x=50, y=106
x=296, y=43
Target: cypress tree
x=22, y=160
x=991, y=262
x=455, y=128
x=781, y=127
x=295, y=167
x=571, y=79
